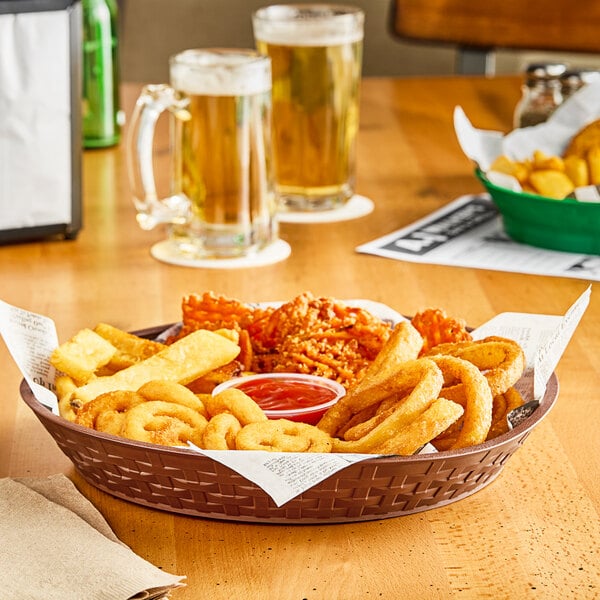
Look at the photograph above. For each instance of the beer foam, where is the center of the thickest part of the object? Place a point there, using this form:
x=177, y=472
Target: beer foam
x=289, y=26
x=220, y=73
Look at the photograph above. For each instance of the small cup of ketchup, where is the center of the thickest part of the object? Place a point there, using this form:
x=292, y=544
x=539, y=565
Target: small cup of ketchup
x=292, y=396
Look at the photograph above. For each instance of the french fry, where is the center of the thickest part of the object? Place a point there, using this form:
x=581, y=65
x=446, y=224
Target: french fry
x=82, y=355
x=546, y=175
x=183, y=361
x=577, y=170
x=130, y=347
x=544, y=162
x=519, y=170
x=552, y=184
x=586, y=138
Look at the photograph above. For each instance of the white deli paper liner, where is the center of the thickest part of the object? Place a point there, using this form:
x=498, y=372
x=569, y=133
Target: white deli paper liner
x=283, y=476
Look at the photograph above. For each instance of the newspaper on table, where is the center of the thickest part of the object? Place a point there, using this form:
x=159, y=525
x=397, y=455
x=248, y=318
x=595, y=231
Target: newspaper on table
x=30, y=339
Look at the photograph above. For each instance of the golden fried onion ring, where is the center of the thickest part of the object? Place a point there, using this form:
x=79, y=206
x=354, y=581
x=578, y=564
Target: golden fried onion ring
x=404, y=343
x=236, y=402
x=107, y=411
x=380, y=380
x=503, y=404
x=502, y=360
x=171, y=391
x=435, y=419
x=418, y=382
x=165, y=423
x=221, y=432
x=477, y=418
x=281, y=435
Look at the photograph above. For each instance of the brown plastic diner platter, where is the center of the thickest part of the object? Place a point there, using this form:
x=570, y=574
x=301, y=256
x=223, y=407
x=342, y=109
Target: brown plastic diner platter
x=181, y=481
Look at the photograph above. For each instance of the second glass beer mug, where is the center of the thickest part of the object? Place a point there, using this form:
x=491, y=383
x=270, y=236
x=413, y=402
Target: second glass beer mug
x=316, y=54
x=222, y=200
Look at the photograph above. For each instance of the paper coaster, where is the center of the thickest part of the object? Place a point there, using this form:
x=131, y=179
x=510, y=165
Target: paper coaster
x=357, y=206
x=277, y=251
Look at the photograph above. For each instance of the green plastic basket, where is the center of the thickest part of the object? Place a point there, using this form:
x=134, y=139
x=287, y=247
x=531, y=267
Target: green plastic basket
x=567, y=225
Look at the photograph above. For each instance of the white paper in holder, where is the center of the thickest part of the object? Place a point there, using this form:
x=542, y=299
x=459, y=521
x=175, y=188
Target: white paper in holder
x=35, y=120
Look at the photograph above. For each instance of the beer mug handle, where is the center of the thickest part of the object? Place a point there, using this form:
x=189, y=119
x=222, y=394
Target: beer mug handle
x=152, y=210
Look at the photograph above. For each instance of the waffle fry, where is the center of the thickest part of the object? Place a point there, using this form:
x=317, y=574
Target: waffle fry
x=438, y=328
x=209, y=311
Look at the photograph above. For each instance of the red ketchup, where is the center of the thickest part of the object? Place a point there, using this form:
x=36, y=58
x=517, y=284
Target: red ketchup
x=293, y=397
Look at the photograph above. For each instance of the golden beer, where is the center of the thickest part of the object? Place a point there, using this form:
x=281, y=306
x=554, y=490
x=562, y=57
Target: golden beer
x=222, y=158
x=220, y=165
x=222, y=197
x=316, y=68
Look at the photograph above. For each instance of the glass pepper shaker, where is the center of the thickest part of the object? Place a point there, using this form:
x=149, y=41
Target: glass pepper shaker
x=101, y=114
x=541, y=93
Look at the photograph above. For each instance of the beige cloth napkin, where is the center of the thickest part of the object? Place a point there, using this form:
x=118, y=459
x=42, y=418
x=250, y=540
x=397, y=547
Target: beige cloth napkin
x=55, y=544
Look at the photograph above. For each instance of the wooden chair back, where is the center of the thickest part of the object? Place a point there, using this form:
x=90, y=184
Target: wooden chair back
x=479, y=28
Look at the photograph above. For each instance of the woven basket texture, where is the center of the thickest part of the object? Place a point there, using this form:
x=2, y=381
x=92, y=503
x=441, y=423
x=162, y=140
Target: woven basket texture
x=181, y=481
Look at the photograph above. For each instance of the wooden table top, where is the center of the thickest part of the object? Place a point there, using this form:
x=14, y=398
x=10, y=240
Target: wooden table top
x=532, y=532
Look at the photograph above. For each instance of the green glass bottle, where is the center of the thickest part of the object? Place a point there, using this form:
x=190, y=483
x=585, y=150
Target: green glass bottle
x=101, y=115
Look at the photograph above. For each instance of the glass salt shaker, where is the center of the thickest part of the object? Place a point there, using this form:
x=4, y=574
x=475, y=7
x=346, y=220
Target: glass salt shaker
x=541, y=93
x=574, y=79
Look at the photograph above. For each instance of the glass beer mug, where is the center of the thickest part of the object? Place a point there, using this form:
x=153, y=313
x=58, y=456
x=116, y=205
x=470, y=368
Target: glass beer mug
x=316, y=54
x=221, y=202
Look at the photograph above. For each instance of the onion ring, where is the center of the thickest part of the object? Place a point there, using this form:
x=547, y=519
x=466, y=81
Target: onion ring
x=360, y=417
x=360, y=429
x=477, y=418
x=281, y=435
x=220, y=433
x=502, y=360
x=164, y=423
x=236, y=402
x=503, y=404
x=447, y=438
x=363, y=422
x=435, y=419
x=171, y=391
x=419, y=381
x=403, y=345
x=106, y=413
